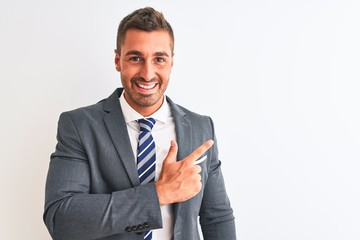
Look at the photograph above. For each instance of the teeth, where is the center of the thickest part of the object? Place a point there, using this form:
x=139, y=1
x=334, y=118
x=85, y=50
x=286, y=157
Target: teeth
x=147, y=86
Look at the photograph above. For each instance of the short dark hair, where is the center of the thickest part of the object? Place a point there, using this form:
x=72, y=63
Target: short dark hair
x=145, y=19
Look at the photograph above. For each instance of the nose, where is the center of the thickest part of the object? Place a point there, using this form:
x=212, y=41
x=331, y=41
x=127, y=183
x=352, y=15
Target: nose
x=147, y=71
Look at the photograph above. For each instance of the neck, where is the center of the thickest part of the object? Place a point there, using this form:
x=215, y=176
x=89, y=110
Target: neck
x=146, y=111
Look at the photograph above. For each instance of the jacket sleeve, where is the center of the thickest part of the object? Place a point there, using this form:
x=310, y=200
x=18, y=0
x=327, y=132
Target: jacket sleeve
x=73, y=212
x=216, y=215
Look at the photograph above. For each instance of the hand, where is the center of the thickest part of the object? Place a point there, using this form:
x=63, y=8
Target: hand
x=180, y=180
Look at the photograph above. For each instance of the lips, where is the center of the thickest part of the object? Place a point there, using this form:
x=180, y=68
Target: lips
x=146, y=87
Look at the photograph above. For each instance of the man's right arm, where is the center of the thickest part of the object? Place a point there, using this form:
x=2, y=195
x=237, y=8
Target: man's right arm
x=73, y=212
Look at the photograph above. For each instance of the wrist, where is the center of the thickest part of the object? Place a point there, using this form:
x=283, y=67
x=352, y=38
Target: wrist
x=161, y=193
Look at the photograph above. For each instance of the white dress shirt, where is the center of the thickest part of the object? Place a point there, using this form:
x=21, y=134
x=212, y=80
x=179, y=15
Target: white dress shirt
x=163, y=132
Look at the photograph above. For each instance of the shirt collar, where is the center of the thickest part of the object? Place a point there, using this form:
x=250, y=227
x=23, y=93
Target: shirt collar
x=131, y=115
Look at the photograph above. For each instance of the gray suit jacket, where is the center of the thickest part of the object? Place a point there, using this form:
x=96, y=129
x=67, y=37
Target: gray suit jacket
x=92, y=187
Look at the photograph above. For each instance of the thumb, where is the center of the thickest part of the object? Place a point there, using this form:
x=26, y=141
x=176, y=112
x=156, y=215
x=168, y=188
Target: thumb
x=171, y=156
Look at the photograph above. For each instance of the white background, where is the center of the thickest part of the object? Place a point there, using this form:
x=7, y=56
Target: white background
x=279, y=78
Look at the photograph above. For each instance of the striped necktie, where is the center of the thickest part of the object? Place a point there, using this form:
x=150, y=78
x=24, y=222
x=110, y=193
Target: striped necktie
x=146, y=156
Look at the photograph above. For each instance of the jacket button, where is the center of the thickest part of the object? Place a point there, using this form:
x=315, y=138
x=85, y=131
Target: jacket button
x=140, y=227
x=128, y=229
x=134, y=228
x=146, y=225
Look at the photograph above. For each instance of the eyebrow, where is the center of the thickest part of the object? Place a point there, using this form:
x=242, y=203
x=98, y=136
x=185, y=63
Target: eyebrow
x=138, y=53
x=133, y=52
x=159, y=54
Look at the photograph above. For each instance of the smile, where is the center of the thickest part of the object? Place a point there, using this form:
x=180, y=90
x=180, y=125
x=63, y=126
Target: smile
x=147, y=87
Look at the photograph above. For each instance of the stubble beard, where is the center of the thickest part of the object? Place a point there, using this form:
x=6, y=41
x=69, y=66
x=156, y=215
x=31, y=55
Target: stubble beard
x=145, y=100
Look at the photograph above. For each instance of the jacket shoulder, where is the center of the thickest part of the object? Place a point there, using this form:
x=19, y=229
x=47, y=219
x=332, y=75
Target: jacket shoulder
x=194, y=117
x=95, y=110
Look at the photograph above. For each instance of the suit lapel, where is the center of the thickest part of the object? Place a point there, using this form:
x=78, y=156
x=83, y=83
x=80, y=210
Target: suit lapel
x=183, y=130
x=116, y=126
x=184, y=136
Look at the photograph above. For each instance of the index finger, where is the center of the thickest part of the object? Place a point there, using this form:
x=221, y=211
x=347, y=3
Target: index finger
x=192, y=157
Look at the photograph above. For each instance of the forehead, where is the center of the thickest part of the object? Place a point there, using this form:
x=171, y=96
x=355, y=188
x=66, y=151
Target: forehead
x=147, y=42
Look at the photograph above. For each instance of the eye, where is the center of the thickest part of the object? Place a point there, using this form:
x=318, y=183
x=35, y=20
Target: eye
x=135, y=59
x=160, y=60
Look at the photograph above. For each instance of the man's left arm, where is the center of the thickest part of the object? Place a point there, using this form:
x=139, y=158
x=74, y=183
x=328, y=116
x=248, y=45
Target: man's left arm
x=216, y=215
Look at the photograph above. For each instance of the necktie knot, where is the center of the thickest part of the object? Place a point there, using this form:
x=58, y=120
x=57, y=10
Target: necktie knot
x=146, y=124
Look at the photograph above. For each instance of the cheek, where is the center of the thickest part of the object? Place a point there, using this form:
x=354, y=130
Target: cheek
x=165, y=72
x=128, y=73
x=125, y=78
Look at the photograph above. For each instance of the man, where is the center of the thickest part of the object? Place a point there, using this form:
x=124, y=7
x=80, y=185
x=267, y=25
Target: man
x=95, y=188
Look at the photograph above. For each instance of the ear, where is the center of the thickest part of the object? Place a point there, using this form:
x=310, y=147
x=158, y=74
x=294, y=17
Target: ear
x=172, y=59
x=117, y=61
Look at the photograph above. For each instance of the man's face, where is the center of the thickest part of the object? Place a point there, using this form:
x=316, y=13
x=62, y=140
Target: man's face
x=145, y=63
